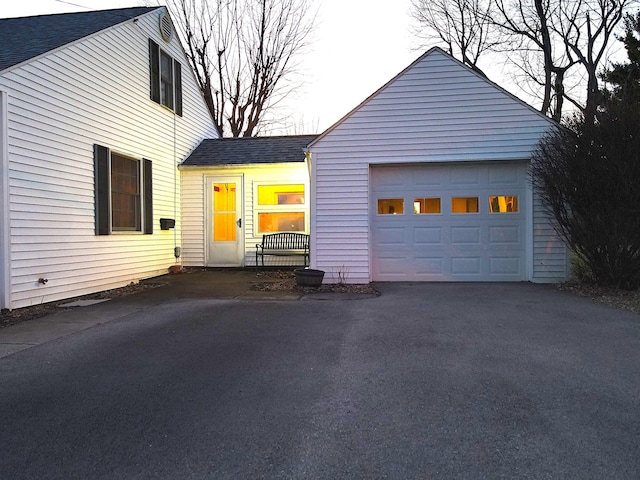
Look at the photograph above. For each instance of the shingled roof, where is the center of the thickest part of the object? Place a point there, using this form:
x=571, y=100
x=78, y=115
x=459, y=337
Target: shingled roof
x=27, y=37
x=250, y=150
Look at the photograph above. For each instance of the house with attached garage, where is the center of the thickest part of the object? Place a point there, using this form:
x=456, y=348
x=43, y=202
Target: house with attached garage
x=97, y=109
x=426, y=180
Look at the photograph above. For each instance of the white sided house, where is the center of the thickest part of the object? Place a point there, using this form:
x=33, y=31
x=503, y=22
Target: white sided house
x=235, y=190
x=97, y=109
x=427, y=180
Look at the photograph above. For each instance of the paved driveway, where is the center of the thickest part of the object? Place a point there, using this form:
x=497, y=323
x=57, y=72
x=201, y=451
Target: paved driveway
x=426, y=381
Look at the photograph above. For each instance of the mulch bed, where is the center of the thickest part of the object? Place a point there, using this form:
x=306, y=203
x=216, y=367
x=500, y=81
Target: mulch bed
x=284, y=281
x=624, y=299
x=12, y=317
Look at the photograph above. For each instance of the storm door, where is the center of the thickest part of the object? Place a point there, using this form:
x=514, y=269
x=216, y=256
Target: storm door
x=225, y=238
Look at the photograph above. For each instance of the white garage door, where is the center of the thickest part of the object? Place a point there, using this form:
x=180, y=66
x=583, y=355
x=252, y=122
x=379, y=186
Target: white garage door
x=462, y=222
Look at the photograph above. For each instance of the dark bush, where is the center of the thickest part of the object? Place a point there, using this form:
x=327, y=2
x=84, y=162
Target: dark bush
x=588, y=176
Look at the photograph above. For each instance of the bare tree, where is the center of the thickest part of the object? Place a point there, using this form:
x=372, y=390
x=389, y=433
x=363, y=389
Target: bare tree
x=586, y=28
x=245, y=54
x=462, y=26
x=547, y=41
x=535, y=50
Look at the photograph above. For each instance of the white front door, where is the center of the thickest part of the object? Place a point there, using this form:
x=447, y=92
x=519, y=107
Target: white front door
x=225, y=224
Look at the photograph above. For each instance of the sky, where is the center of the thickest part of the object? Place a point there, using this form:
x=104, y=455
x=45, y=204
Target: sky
x=358, y=46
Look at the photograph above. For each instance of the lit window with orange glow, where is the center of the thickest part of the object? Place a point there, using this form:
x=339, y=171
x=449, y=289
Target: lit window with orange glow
x=503, y=204
x=281, y=194
x=224, y=216
x=426, y=206
x=464, y=205
x=391, y=206
x=280, y=208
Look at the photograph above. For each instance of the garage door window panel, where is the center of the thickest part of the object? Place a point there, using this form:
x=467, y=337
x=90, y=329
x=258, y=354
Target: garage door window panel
x=427, y=206
x=391, y=206
x=503, y=204
x=280, y=208
x=465, y=205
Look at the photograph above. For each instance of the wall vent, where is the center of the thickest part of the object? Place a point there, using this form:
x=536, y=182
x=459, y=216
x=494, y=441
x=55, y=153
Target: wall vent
x=166, y=27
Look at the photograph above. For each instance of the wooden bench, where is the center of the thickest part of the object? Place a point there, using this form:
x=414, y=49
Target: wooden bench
x=283, y=244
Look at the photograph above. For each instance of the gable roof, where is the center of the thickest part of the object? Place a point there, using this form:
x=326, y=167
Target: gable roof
x=27, y=37
x=250, y=150
x=432, y=52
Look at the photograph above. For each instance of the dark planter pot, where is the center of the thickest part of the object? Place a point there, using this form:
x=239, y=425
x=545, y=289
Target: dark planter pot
x=308, y=277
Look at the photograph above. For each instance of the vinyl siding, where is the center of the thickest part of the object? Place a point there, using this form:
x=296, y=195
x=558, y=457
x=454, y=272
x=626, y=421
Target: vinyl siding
x=195, y=208
x=95, y=91
x=436, y=110
x=550, y=253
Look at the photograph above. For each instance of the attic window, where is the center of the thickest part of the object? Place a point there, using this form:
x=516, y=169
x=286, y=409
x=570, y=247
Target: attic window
x=165, y=75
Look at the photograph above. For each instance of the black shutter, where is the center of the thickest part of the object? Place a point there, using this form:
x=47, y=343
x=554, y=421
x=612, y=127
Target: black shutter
x=148, y=196
x=154, y=70
x=102, y=180
x=178, y=86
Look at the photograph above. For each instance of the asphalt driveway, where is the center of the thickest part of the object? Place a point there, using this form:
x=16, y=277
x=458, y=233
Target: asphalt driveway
x=438, y=381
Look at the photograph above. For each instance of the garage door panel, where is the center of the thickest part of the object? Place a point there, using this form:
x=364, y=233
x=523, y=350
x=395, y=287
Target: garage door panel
x=435, y=178
x=440, y=245
x=465, y=235
x=428, y=266
x=504, y=265
x=505, y=235
x=465, y=177
x=394, y=267
x=504, y=175
x=467, y=265
x=427, y=236
x=391, y=236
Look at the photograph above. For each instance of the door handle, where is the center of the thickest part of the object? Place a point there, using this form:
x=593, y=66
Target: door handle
x=239, y=223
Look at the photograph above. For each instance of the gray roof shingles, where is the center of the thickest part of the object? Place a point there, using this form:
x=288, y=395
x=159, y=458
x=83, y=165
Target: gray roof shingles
x=250, y=150
x=27, y=37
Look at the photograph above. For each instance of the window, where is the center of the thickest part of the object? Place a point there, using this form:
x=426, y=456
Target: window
x=165, y=78
x=503, y=204
x=464, y=205
x=123, y=193
x=224, y=216
x=426, y=206
x=280, y=208
x=390, y=206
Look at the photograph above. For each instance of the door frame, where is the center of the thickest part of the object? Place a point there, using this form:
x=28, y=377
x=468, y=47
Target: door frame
x=208, y=221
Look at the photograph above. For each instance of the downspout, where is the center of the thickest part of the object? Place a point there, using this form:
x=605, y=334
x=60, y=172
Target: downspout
x=5, y=236
x=176, y=248
x=312, y=211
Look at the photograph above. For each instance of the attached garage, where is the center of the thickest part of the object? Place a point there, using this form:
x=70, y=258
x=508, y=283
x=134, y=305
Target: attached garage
x=426, y=180
x=462, y=222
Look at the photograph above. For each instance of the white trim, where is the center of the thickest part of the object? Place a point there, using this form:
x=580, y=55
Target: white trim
x=313, y=163
x=5, y=237
x=529, y=231
x=240, y=244
x=278, y=208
